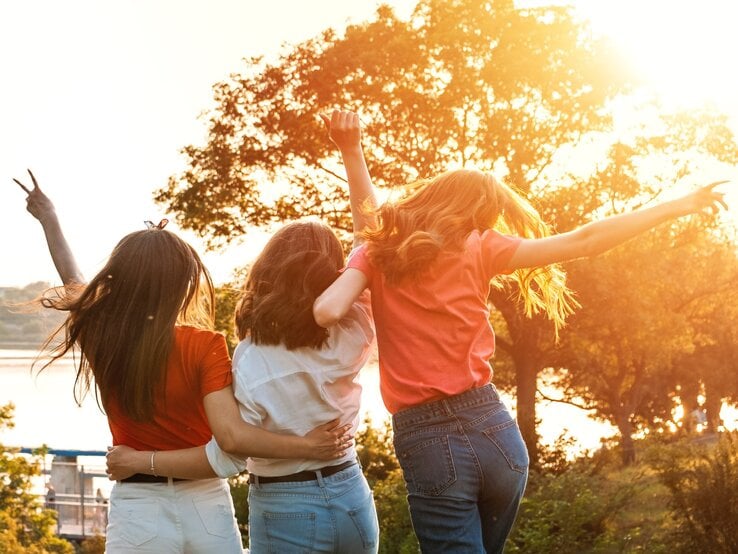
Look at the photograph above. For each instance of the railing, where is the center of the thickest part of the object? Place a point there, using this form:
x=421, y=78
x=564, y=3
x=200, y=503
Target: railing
x=76, y=493
x=79, y=516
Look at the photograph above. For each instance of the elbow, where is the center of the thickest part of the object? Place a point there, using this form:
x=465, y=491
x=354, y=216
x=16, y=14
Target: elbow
x=590, y=248
x=227, y=442
x=326, y=315
x=588, y=245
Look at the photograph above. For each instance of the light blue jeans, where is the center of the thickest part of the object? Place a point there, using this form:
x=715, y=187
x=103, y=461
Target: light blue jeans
x=332, y=514
x=465, y=466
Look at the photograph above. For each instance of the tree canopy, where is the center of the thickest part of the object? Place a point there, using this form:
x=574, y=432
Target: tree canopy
x=518, y=92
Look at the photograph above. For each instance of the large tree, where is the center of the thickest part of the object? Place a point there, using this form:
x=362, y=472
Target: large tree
x=652, y=303
x=460, y=82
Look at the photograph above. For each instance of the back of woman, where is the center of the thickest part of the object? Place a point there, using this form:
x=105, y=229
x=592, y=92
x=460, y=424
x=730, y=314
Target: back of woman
x=152, y=376
x=289, y=374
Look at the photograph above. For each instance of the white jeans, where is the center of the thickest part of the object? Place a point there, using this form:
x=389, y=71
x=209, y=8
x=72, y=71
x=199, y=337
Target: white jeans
x=176, y=517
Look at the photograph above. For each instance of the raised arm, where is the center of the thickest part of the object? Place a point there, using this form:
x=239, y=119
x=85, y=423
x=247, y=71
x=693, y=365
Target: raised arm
x=344, y=129
x=40, y=207
x=599, y=236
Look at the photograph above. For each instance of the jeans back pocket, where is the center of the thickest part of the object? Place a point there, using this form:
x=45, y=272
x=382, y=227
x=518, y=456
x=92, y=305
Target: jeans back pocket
x=289, y=531
x=426, y=462
x=138, y=520
x=506, y=436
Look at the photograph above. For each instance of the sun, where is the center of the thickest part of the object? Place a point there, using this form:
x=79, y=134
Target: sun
x=684, y=50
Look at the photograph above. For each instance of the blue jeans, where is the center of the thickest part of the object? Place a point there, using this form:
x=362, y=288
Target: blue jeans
x=333, y=514
x=465, y=466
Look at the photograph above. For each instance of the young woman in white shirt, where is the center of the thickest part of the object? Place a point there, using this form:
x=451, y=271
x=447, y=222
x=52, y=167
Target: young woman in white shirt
x=288, y=373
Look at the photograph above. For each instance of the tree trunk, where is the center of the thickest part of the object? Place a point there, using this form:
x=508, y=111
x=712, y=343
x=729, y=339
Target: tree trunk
x=526, y=380
x=713, y=404
x=688, y=394
x=627, y=446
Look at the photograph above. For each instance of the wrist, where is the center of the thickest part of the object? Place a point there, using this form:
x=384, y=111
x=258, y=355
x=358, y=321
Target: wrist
x=680, y=207
x=48, y=218
x=306, y=447
x=351, y=150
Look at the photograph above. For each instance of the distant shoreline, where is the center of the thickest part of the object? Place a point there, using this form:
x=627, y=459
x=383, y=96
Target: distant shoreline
x=19, y=345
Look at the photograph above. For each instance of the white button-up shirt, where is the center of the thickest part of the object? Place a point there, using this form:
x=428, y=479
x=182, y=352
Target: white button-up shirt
x=294, y=391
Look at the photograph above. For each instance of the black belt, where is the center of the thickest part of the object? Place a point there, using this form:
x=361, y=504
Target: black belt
x=143, y=478
x=307, y=475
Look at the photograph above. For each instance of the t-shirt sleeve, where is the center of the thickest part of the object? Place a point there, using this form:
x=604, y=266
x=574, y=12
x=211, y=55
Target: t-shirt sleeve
x=497, y=250
x=358, y=260
x=223, y=464
x=215, y=371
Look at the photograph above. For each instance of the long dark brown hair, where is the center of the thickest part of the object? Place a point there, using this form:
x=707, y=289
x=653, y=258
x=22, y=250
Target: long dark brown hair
x=297, y=264
x=440, y=213
x=123, y=321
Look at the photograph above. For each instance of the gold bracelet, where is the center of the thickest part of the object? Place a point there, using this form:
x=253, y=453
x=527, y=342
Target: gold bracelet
x=151, y=463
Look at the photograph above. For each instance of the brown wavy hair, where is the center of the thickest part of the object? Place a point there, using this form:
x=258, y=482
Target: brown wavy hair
x=297, y=264
x=439, y=214
x=123, y=321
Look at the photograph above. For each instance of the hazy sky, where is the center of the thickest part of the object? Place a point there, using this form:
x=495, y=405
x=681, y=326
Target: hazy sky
x=99, y=97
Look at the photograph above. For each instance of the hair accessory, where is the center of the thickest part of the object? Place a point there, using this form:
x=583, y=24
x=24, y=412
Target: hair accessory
x=151, y=225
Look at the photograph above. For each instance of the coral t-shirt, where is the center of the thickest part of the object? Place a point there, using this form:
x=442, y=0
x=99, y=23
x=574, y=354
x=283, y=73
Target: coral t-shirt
x=198, y=365
x=433, y=334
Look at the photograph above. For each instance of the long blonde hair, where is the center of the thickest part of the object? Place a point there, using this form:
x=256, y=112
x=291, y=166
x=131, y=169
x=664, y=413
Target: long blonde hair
x=440, y=213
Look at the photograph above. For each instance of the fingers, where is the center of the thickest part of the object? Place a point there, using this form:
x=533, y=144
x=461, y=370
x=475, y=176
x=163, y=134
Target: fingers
x=714, y=184
x=332, y=425
x=35, y=183
x=21, y=185
x=340, y=119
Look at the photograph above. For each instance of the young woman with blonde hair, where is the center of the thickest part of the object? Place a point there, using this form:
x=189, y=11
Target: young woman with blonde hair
x=141, y=332
x=428, y=263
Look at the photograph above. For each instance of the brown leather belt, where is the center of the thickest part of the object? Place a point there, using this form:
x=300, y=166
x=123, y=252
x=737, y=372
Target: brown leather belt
x=300, y=476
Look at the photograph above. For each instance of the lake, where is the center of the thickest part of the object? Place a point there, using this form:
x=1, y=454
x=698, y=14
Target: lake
x=45, y=411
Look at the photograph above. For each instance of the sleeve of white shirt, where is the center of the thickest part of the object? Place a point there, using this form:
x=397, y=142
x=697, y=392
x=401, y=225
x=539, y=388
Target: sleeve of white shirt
x=352, y=337
x=223, y=464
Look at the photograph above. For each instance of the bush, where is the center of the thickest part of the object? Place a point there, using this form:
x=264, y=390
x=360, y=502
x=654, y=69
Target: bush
x=569, y=511
x=703, y=482
x=25, y=527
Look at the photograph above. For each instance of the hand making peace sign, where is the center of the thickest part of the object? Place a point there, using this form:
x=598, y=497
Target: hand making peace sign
x=37, y=203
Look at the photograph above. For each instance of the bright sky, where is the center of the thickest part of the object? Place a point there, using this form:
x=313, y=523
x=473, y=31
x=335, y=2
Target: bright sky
x=99, y=97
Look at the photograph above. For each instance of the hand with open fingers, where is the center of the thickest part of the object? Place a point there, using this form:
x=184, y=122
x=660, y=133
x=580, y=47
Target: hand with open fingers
x=120, y=462
x=706, y=197
x=37, y=203
x=330, y=440
x=344, y=129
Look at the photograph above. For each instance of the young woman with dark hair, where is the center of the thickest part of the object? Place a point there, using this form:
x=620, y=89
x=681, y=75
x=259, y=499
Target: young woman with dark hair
x=290, y=373
x=141, y=332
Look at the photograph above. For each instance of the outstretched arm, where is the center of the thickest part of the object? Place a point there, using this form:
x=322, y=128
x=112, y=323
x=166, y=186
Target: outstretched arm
x=40, y=207
x=600, y=236
x=344, y=129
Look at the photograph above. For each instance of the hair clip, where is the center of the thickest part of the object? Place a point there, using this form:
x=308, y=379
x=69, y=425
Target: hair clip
x=151, y=225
